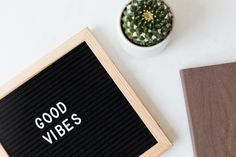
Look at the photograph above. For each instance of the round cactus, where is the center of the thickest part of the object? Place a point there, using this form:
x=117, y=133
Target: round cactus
x=147, y=22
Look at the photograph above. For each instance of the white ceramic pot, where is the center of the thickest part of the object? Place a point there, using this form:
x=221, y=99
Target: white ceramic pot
x=140, y=51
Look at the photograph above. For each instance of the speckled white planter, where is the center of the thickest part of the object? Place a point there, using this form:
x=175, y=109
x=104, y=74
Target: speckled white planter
x=140, y=51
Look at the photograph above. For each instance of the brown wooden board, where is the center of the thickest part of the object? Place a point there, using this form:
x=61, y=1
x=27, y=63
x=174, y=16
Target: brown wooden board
x=74, y=102
x=210, y=94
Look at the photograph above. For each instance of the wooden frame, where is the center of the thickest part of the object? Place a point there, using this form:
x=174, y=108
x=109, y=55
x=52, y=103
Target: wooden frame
x=3, y=153
x=86, y=35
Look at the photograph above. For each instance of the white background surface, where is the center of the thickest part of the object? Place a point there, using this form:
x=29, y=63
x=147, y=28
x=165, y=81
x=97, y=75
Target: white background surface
x=204, y=33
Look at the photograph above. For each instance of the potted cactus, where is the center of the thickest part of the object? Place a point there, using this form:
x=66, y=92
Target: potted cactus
x=145, y=26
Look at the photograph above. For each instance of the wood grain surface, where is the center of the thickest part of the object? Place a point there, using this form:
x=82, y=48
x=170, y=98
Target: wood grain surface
x=210, y=94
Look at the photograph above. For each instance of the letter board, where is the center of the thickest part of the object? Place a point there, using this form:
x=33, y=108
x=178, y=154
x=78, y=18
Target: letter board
x=74, y=102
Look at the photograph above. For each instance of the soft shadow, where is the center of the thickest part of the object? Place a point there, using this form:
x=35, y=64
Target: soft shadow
x=187, y=16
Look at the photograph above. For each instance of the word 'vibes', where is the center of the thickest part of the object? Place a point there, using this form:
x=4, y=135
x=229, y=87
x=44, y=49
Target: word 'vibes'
x=61, y=129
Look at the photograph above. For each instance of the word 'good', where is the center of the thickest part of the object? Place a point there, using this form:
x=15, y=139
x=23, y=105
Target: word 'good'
x=59, y=130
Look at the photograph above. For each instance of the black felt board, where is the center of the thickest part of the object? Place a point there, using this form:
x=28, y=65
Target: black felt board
x=109, y=128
